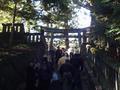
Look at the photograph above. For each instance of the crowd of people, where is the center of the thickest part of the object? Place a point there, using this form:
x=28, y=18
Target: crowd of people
x=61, y=72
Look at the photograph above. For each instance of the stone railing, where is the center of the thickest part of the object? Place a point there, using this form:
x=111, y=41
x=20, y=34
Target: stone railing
x=105, y=70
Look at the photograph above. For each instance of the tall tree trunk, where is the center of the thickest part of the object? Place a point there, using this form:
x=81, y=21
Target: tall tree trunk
x=12, y=30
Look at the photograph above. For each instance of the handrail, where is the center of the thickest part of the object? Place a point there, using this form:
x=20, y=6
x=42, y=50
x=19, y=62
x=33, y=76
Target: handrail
x=109, y=73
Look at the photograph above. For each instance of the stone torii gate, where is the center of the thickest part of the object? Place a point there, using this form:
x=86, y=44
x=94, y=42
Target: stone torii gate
x=82, y=35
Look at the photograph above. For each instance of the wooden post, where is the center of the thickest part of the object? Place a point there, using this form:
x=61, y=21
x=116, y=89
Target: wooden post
x=84, y=36
x=51, y=41
x=4, y=28
x=29, y=38
x=116, y=81
x=33, y=38
x=37, y=38
x=105, y=73
x=14, y=15
x=79, y=38
x=17, y=28
x=66, y=39
x=8, y=28
x=22, y=28
x=43, y=43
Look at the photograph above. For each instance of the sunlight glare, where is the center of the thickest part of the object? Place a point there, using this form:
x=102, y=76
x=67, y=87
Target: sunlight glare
x=81, y=19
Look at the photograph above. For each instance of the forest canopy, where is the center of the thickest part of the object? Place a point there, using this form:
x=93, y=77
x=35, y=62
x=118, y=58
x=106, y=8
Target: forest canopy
x=105, y=13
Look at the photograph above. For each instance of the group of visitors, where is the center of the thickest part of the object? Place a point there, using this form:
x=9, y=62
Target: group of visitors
x=61, y=73
x=39, y=74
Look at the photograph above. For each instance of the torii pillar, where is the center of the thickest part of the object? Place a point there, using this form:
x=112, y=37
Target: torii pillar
x=51, y=41
x=66, y=39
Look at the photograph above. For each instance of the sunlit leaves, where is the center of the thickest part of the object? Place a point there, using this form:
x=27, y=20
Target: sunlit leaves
x=6, y=17
x=28, y=12
x=108, y=12
x=114, y=31
x=24, y=9
x=56, y=11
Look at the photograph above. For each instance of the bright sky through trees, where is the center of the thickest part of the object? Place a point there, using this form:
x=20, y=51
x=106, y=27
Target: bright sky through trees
x=81, y=19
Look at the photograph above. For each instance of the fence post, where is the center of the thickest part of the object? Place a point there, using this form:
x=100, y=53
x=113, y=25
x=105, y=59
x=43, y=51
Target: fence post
x=116, y=81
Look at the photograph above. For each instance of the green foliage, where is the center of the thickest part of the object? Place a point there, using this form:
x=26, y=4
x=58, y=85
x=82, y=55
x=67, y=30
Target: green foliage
x=57, y=11
x=6, y=17
x=59, y=4
x=28, y=12
x=114, y=31
x=108, y=13
x=25, y=9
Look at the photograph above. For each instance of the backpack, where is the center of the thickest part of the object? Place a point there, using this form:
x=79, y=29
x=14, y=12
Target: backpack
x=55, y=76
